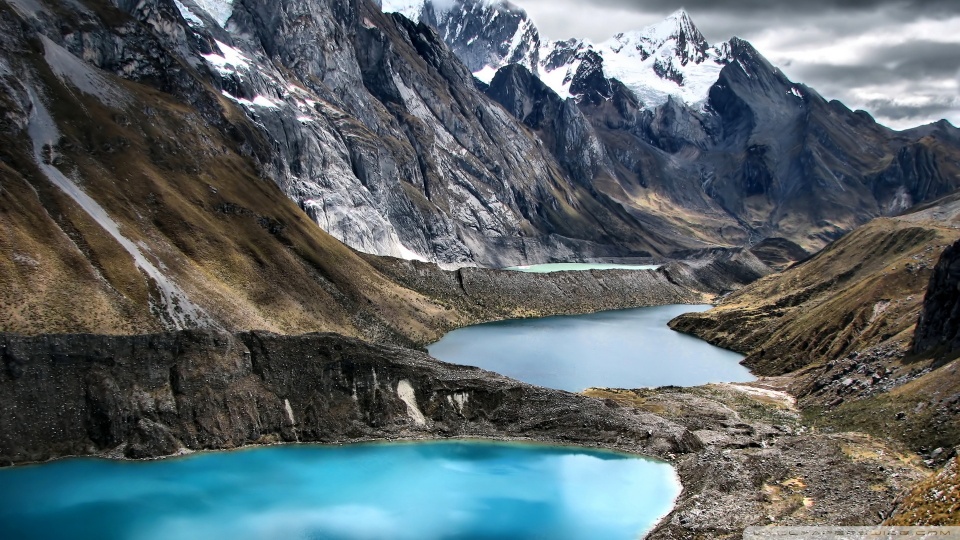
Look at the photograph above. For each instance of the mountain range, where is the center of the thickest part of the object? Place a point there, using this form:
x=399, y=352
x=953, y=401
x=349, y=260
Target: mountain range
x=240, y=181
x=702, y=144
x=650, y=145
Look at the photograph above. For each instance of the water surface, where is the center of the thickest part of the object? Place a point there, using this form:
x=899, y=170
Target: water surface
x=629, y=348
x=561, y=267
x=417, y=491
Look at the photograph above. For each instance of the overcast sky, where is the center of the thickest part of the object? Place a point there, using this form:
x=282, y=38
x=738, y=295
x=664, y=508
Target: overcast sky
x=897, y=59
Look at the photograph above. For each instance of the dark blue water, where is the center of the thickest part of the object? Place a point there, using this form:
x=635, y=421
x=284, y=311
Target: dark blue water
x=565, y=267
x=630, y=348
x=416, y=491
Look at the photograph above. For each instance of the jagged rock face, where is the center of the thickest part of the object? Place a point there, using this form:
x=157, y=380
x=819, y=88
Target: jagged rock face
x=430, y=166
x=485, y=35
x=938, y=328
x=757, y=157
x=156, y=395
x=558, y=123
x=367, y=121
x=589, y=82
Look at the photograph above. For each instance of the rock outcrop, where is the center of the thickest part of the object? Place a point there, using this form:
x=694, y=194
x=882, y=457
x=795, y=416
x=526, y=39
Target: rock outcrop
x=156, y=395
x=840, y=330
x=741, y=461
x=938, y=328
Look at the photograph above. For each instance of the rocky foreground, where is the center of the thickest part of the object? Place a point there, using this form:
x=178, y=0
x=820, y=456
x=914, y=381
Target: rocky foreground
x=742, y=460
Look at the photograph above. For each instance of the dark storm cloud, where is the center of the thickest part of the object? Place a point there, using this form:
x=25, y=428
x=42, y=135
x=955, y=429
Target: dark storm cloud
x=914, y=60
x=918, y=58
x=887, y=109
x=930, y=7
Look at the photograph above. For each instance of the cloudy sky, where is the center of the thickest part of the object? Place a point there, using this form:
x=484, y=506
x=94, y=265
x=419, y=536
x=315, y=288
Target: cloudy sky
x=897, y=59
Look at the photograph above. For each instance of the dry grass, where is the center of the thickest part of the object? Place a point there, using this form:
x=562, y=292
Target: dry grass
x=862, y=291
x=934, y=501
x=182, y=188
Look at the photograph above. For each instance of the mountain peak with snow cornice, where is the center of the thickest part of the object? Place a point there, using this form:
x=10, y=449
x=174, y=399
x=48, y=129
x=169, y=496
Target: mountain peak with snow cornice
x=669, y=58
x=485, y=35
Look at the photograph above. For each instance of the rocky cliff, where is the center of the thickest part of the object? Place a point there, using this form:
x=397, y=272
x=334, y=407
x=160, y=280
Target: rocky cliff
x=938, y=328
x=707, y=145
x=155, y=395
x=162, y=394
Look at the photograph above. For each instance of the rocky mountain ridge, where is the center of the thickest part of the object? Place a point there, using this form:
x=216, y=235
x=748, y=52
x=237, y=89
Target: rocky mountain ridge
x=128, y=179
x=742, y=153
x=379, y=134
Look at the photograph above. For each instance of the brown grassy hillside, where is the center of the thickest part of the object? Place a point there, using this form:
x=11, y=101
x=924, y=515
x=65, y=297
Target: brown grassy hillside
x=181, y=189
x=841, y=326
x=863, y=291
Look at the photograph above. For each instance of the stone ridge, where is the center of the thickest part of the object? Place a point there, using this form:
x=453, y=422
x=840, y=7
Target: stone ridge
x=741, y=462
x=938, y=328
x=162, y=394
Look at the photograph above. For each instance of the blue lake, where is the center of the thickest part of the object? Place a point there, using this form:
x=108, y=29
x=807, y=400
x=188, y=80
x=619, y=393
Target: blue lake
x=565, y=267
x=418, y=491
x=629, y=348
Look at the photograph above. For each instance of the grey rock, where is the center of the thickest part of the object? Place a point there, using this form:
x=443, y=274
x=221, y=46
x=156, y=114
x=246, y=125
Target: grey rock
x=938, y=327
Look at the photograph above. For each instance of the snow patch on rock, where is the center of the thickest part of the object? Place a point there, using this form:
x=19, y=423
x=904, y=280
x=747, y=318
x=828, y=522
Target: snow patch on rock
x=188, y=15
x=229, y=61
x=219, y=10
x=81, y=75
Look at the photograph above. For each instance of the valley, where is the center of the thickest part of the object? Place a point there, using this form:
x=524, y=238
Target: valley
x=241, y=223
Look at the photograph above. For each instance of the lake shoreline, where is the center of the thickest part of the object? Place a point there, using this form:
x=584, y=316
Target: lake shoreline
x=631, y=348
x=150, y=396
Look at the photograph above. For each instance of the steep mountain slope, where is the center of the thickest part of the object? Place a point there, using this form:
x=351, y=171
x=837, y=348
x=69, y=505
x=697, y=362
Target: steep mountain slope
x=125, y=211
x=712, y=144
x=365, y=120
x=137, y=196
x=843, y=326
x=445, y=172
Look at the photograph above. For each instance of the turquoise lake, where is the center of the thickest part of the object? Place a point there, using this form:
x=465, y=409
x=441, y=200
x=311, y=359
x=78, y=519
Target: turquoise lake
x=464, y=490
x=562, y=267
x=629, y=348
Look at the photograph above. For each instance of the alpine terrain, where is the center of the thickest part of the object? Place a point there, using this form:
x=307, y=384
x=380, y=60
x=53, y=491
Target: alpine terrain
x=701, y=144
x=241, y=222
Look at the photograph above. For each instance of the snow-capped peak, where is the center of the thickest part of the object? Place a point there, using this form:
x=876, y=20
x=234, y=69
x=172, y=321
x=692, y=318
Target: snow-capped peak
x=669, y=58
x=486, y=35
x=678, y=26
x=410, y=9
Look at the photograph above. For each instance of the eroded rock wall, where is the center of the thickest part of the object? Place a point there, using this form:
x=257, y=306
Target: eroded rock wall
x=939, y=323
x=160, y=394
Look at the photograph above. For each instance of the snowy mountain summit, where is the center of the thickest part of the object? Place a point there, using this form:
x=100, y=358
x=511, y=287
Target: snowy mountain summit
x=485, y=35
x=670, y=58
